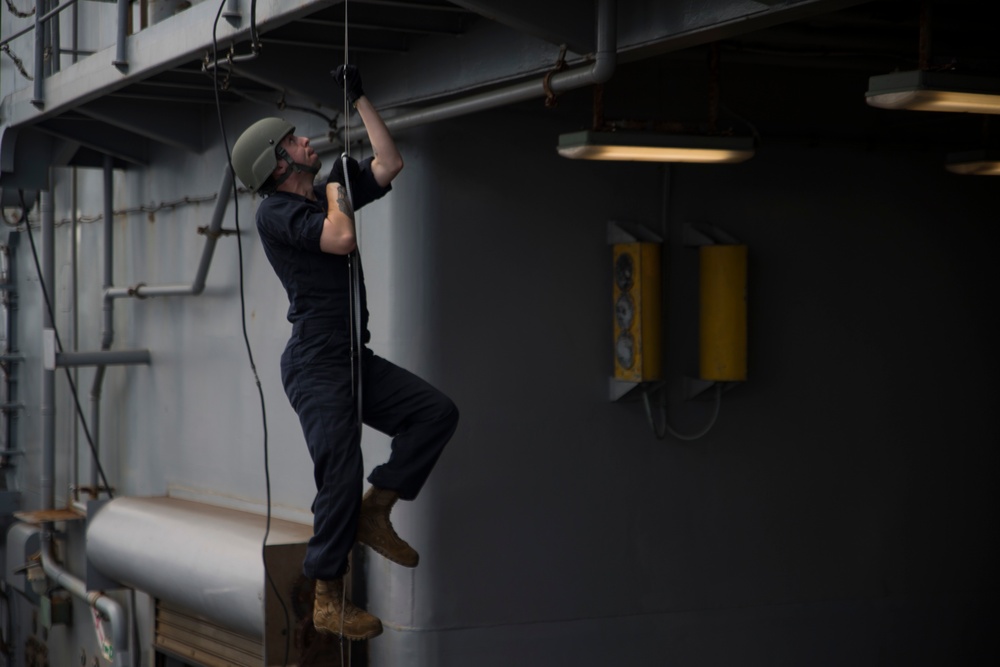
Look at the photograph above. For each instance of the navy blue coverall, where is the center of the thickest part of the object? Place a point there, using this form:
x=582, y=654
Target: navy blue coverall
x=317, y=375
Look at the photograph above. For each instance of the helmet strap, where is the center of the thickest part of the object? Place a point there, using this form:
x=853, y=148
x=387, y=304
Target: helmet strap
x=293, y=167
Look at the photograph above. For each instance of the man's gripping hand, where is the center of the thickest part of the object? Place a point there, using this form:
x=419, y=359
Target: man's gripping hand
x=349, y=79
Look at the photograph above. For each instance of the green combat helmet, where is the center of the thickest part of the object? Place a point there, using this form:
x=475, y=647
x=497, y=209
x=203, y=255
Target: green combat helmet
x=254, y=156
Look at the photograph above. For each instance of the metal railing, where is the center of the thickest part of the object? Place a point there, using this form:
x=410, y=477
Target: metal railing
x=44, y=13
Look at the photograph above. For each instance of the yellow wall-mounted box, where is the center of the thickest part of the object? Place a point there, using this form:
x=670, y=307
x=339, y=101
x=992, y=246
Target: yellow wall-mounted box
x=637, y=293
x=723, y=344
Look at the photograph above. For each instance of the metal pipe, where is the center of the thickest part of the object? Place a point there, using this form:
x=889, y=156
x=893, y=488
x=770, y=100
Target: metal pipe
x=599, y=72
x=111, y=610
x=108, y=330
x=75, y=308
x=232, y=12
x=173, y=550
x=39, y=91
x=212, y=234
x=48, y=399
x=75, y=41
x=55, y=42
x=103, y=358
x=11, y=356
x=121, y=58
x=38, y=19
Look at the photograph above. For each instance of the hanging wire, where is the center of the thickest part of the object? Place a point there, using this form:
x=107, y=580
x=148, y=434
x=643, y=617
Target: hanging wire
x=243, y=315
x=352, y=268
x=661, y=433
x=347, y=107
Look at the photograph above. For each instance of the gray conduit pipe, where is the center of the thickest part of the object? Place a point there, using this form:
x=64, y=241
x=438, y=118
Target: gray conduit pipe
x=121, y=57
x=108, y=330
x=110, y=609
x=211, y=237
x=599, y=72
x=39, y=87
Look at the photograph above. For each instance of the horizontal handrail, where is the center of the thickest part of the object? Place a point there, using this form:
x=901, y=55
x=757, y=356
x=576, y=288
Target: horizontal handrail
x=41, y=19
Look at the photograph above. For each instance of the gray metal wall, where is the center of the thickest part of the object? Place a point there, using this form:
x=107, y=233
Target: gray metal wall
x=838, y=513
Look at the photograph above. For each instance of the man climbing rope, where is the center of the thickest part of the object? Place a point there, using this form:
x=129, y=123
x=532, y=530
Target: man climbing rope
x=328, y=372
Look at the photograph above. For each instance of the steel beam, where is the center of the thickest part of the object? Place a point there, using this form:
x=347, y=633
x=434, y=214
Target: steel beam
x=569, y=23
x=159, y=122
x=96, y=136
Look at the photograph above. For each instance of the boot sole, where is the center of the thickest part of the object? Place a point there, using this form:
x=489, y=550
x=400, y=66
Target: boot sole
x=388, y=557
x=353, y=638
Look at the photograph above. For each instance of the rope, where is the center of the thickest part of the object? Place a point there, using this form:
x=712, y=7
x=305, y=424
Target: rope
x=550, y=95
x=353, y=262
x=18, y=63
x=19, y=13
x=347, y=108
x=354, y=259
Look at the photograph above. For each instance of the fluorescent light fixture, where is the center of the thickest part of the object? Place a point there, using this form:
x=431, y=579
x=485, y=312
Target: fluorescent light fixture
x=934, y=91
x=975, y=163
x=654, y=147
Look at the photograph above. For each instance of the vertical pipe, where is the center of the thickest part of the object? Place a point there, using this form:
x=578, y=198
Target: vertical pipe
x=108, y=332
x=212, y=235
x=55, y=42
x=48, y=400
x=121, y=58
x=108, y=607
x=232, y=12
x=39, y=93
x=74, y=296
x=75, y=39
x=13, y=367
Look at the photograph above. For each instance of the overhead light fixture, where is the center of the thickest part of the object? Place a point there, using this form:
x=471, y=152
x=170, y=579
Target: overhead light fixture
x=984, y=162
x=934, y=91
x=655, y=147
x=621, y=140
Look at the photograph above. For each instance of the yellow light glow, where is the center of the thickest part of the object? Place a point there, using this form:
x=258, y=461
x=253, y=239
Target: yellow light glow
x=655, y=147
x=922, y=90
x=655, y=154
x=937, y=100
x=975, y=168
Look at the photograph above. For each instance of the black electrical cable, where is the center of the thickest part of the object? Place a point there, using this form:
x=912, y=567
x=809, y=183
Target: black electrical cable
x=59, y=346
x=243, y=313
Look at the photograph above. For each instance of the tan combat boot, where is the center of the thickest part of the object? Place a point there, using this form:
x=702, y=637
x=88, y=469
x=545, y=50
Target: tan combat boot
x=375, y=530
x=335, y=614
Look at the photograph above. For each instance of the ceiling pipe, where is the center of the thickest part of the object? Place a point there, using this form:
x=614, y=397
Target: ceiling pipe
x=597, y=73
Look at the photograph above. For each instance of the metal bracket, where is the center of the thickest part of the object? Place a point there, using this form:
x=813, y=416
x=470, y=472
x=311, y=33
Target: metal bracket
x=623, y=231
x=699, y=234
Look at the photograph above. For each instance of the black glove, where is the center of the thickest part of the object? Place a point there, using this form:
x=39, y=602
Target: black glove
x=337, y=172
x=349, y=79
